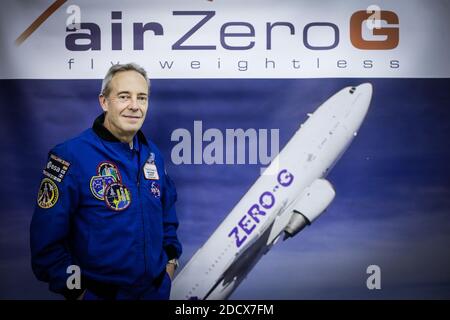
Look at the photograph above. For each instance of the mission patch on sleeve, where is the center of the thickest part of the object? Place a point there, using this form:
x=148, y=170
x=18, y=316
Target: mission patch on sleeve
x=48, y=194
x=56, y=168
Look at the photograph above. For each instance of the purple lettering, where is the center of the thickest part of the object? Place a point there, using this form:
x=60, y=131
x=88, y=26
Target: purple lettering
x=244, y=225
x=254, y=210
x=267, y=200
x=239, y=241
x=285, y=178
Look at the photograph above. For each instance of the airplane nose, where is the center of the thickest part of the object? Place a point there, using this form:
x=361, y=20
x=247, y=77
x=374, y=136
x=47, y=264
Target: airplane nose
x=360, y=106
x=365, y=88
x=364, y=96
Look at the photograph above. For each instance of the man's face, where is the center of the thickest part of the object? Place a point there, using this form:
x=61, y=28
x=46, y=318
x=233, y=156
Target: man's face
x=127, y=103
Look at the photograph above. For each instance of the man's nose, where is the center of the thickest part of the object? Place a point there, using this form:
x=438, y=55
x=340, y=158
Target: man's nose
x=133, y=103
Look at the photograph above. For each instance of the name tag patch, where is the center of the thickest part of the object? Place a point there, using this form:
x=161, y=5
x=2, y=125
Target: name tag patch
x=56, y=168
x=150, y=169
x=151, y=172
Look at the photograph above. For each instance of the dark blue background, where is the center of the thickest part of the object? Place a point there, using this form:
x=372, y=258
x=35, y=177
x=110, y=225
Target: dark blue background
x=393, y=184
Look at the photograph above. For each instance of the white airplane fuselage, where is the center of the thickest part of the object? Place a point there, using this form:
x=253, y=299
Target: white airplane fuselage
x=289, y=195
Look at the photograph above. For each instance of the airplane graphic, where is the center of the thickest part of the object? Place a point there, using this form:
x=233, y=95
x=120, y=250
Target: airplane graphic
x=288, y=196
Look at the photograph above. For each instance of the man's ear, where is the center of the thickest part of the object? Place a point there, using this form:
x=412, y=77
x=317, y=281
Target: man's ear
x=103, y=102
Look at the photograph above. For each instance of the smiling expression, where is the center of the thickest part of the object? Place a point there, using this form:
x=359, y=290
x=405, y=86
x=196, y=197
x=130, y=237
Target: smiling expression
x=126, y=105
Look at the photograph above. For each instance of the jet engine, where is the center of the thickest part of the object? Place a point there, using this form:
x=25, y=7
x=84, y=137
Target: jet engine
x=313, y=202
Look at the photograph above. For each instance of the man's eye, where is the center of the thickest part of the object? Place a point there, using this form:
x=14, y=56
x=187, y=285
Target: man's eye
x=142, y=98
x=124, y=97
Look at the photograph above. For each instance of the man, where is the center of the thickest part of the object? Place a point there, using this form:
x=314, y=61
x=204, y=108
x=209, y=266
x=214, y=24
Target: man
x=106, y=204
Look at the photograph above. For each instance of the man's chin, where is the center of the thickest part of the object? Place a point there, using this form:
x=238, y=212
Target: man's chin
x=132, y=123
x=131, y=128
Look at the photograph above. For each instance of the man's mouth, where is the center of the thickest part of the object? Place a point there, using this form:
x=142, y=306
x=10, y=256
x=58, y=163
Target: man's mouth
x=132, y=117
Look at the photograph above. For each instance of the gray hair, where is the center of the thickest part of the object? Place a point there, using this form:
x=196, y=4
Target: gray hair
x=118, y=68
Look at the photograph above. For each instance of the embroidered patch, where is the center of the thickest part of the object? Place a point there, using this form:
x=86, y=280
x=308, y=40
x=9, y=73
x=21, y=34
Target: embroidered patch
x=56, y=168
x=106, y=168
x=99, y=184
x=155, y=190
x=48, y=194
x=117, y=197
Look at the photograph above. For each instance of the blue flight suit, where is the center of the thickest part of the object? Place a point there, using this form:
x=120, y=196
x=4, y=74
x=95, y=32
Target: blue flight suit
x=109, y=209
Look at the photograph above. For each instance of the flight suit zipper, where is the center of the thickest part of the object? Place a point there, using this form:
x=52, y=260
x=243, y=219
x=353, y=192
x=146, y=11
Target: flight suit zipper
x=138, y=185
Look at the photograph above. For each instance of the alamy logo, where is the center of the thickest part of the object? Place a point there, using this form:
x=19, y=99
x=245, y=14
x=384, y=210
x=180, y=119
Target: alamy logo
x=212, y=146
x=74, y=280
x=374, y=280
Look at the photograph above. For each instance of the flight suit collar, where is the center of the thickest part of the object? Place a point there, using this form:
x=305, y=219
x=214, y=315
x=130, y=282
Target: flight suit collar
x=106, y=135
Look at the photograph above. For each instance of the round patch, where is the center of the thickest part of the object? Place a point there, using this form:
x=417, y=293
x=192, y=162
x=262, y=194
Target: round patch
x=117, y=197
x=99, y=184
x=106, y=168
x=48, y=194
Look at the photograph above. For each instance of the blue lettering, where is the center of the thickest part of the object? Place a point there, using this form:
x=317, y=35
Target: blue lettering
x=178, y=45
x=269, y=27
x=138, y=33
x=224, y=34
x=321, y=24
x=116, y=31
x=93, y=36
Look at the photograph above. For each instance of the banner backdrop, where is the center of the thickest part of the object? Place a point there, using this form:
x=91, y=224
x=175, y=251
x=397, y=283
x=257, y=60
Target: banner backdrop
x=259, y=67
